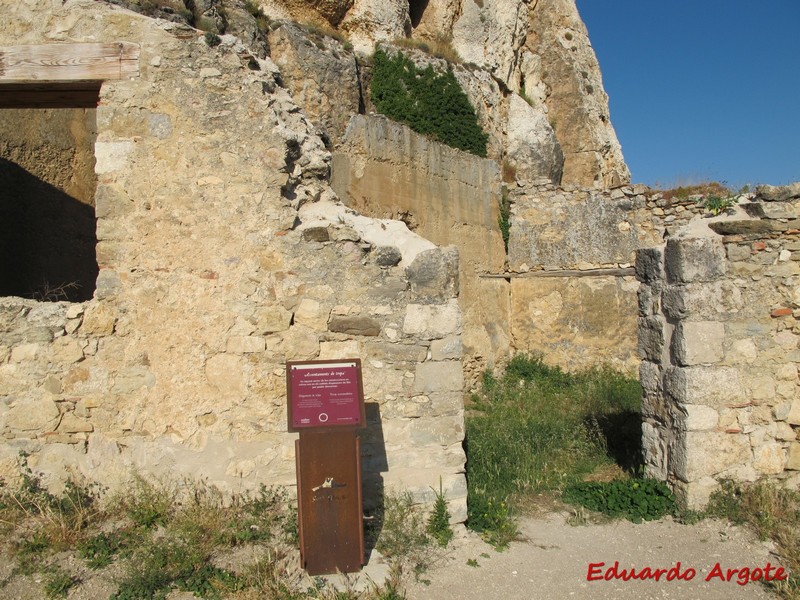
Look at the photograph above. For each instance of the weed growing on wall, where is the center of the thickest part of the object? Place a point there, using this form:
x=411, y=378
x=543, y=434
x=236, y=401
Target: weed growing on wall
x=429, y=102
x=504, y=220
x=537, y=428
x=717, y=205
x=439, y=520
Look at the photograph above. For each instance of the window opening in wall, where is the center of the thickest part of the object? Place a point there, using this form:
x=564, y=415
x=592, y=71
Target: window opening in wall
x=47, y=186
x=416, y=8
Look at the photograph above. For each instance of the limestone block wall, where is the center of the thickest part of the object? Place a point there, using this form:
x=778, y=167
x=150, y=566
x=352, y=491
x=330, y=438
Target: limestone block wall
x=570, y=258
x=450, y=197
x=209, y=280
x=719, y=337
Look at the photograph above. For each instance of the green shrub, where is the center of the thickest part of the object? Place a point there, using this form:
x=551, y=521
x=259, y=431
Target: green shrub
x=150, y=503
x=402, y=529
x=492, y=518
x=99, y=551
x=633, y=499
x=57, y=583
x=430, y=103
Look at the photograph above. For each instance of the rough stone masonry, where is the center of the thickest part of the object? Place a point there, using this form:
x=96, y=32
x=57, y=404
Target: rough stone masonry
x=718, y=332
x=211, y=277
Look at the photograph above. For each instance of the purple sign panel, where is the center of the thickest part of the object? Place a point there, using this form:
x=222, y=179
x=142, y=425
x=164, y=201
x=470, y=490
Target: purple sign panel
x=324, y=394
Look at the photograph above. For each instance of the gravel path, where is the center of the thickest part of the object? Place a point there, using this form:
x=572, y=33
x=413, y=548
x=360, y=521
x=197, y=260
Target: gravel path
x=554, y=560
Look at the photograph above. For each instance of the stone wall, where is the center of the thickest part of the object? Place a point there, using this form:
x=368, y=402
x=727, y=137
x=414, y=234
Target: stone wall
x=570, y=258
x=565, y=290
x=450, y=197
x=212, y=274
x=719, y=340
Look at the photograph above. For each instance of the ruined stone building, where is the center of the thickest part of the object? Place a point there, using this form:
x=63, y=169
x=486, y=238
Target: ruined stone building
x=183, y=211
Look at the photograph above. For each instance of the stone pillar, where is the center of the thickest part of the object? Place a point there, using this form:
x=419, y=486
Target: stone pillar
x=718, y=372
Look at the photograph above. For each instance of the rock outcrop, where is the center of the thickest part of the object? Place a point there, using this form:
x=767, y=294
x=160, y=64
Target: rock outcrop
x=538, y=49
x=558, y=62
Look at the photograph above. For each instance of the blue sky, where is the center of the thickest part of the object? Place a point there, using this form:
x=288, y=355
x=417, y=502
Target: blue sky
x=702, y=89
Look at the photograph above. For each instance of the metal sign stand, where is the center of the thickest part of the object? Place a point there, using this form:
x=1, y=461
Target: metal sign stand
x=326, y=407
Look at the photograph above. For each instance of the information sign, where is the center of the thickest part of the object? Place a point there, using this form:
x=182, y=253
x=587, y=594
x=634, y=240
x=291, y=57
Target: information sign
x=325, y=394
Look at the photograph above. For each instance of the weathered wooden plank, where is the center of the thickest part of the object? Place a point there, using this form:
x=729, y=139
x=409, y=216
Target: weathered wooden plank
x=627, y=272
x=69, y=62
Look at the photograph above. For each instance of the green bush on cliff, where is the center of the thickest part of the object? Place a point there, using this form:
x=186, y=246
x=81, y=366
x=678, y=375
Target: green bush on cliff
x=429, y=102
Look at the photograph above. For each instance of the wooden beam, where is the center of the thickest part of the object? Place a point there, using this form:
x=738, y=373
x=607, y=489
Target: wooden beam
x=68, y=62
x=620, y=272
x=82, y=94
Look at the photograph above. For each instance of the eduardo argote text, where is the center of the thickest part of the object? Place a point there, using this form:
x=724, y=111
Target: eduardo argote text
x=742, y=575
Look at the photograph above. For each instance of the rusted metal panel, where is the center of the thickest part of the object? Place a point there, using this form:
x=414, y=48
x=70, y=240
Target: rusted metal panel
x=330, y=519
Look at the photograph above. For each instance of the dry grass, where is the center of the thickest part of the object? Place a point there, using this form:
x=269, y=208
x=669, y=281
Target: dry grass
x=772, y=513
x=509, y=172
x=319, y=31
x=708, y=188
x=440, y=47
x=171, y=536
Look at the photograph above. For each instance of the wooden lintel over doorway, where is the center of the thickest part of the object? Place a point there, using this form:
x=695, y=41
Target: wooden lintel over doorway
x=62, y=75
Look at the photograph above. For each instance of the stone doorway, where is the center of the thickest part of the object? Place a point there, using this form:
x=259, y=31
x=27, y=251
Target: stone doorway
x=48, y=99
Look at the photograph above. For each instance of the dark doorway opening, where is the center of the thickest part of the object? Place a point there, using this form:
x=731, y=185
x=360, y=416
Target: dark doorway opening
x=47, y=185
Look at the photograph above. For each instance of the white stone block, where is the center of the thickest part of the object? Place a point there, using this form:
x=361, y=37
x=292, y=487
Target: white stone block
x=333, y=350
x=32, y=415
x=704, y=454
x=769, y=459
x=695, y=495
x=442, y=376
x=111, y=156
x=699, y=342
x=432, y=321
x=700, y=417
x=794, y=413
x=311, y=314
x=793, y=463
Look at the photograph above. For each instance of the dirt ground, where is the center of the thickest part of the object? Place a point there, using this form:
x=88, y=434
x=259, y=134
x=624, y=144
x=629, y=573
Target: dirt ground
x=554, y=559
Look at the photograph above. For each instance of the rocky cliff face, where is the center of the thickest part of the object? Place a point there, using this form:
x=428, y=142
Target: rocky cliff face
x=535, y=49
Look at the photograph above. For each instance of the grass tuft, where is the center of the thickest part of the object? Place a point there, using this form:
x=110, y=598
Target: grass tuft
x=439, y=520
x=439, y=47
x=772, y=513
